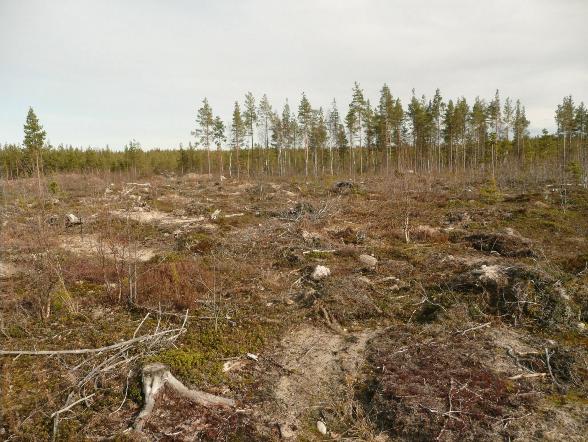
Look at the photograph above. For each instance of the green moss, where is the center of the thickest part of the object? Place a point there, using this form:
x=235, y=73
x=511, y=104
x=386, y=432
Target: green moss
x=319, y=255
x=572, y=397
x=193, y=365
x=199, y=360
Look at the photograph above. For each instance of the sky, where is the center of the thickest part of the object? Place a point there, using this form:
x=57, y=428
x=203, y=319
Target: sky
x=104, y=72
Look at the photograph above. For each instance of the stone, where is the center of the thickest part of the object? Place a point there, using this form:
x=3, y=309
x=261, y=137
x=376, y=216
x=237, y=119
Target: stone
x=368, y=261
x=320, y=272
x=72, y=220
x=321, y=427
x=286, y=431
x=343, y=186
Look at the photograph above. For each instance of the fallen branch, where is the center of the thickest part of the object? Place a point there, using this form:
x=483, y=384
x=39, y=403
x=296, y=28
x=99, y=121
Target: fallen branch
x=547, y=358
x=155, y=376
x=527, y=375
x=89, y=350
x=72, y=404
x=463, y=332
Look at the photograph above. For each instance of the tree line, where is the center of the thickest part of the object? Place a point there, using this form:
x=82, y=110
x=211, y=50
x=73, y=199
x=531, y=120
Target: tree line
x=426, y=135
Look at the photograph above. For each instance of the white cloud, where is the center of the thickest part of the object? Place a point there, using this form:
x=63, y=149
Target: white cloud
x=104, y=72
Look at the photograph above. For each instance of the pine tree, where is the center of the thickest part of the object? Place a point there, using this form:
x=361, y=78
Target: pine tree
x=278, y=139
x=508, y=113
x=265, y=115
x=218, y=135
x=460, y=121
x=305, y=119
x=133, y=154
x=34, y=138
x=237, y=134
x=249, y=120
x=478, y=122
x=495, y=115
x=436, y=108
x=564, y=116
x=318, y=136
x=334, y=122
x=449, y=130
x=287, y=126
x=357, y=109
x=204, y=131
x=385, y=122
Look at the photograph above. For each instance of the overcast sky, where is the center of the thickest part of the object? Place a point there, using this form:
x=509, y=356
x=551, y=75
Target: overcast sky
x=103, y=72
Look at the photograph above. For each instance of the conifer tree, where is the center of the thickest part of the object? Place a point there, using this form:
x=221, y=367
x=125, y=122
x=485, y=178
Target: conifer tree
x=495, y=115
x=508, y=113
x=204, y=130
x=249, y=117
x=218, y=135
x=318, y=136
x=334, y=122
x=305, y=119
x=265, y=114
x=385, y=116
x=436, y=109
x=237, y=133
x=34, y=138
x=357, y=110
x=479, y=127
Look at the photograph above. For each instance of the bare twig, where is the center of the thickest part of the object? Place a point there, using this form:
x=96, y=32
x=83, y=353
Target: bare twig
x=463, y=332
x=90, y=350
x=72, y=404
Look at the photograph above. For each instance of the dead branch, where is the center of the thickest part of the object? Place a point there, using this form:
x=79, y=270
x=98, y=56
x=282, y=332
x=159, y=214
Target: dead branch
x=119, y=345
x=463, y=332
x=527, y=375
x=72, y=404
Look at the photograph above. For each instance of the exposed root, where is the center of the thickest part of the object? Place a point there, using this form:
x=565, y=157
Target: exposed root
x=155, y=376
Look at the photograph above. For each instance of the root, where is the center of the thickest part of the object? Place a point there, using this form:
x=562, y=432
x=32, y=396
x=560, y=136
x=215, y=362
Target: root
x=155, y=376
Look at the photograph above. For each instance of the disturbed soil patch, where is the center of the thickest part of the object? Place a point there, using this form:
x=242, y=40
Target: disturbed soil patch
x=319, y=364
x=92, y=245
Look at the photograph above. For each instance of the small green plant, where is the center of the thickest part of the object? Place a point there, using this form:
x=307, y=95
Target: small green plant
x=575, y=170
x=490, y=192
x=53, y=188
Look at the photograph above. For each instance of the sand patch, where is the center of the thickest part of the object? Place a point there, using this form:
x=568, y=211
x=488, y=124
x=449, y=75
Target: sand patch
x=93, y=245
x=156, y=217
x=7, y=270
x=320, y=361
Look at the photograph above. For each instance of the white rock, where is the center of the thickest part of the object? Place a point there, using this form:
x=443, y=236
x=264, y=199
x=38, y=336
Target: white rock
x=252, y=357
x=581, y=326
x=321, y=427
x=369, y=261
x=320, y=272
x=286, y=431
x=492, y=274
x=72, y=220
x=233, y=365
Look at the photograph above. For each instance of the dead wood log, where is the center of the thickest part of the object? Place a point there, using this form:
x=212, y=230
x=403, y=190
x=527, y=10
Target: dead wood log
x=155, y=376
